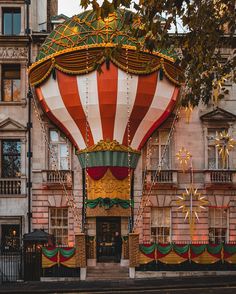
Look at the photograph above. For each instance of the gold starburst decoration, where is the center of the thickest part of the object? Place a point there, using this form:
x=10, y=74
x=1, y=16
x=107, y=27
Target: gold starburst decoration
x=188, y=112
x=224, y=143
x=191, y=202
x=183, y=157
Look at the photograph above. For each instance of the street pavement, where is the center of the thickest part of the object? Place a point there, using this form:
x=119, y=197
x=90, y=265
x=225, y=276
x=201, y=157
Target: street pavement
x=199, y=285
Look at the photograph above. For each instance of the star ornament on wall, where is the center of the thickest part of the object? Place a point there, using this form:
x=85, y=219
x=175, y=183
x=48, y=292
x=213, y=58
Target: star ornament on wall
x=192, y=203
x=183, y=157
x=224, y=143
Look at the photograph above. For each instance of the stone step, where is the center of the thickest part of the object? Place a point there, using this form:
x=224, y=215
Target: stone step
x=107, y=271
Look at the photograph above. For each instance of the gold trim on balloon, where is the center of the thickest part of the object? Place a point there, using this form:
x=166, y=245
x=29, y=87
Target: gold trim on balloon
x=108, y=146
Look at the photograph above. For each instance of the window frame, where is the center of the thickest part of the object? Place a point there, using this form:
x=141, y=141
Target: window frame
x=59, y=143
x=55, y=227
x=2, y=155
x=4, y=68
x=217, y=156
x=159, y=145
x=156, y=237
x=13, y=10
x=221, y=227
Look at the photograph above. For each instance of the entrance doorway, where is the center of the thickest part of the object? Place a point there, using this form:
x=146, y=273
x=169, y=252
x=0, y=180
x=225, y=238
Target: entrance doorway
x=106, y=229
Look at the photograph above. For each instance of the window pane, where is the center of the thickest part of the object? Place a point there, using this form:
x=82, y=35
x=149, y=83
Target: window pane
x=10, y=237
x=11, y=158
x=11, y=21
x=16, y=23
x=7, y=23
x=211, y=157
x=11, y=82
x=7, y=90
x=59, y=225
x=16, y=90
x=165, y=160
x=54, y=136
x=63, y=150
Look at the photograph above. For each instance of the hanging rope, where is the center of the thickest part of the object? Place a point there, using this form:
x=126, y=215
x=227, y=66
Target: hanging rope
x=145, y=200
x=86, y=137
x=70, y=199
x=128, y=132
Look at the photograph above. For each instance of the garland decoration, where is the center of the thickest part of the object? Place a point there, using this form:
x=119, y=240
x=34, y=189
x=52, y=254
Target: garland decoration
x=108, y=203
x=52, y=256
x=224, y=143
x=172, y=253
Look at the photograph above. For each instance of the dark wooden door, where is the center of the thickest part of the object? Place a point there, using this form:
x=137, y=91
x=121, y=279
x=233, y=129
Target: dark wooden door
x=106, y=229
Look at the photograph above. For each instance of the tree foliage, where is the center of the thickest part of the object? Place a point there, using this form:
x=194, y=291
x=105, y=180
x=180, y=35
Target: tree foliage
x=208, y=28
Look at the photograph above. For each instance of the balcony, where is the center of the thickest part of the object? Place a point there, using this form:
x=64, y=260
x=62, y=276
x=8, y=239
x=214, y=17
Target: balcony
x=12, y=186
x=220, y=178
x=57, y=178
x=163, y=178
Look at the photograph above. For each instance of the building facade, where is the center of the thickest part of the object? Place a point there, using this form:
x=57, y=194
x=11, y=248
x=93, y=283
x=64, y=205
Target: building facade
x=162, y=190
x=14, y=60
x=172, y=203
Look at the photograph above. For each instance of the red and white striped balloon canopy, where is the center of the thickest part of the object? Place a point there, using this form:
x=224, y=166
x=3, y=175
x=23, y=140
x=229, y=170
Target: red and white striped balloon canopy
x=102, y=106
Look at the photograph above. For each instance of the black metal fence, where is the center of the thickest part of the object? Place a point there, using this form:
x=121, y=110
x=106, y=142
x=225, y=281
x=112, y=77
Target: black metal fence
x=11, y=266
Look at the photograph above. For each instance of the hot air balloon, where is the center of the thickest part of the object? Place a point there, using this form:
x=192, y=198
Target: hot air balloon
x=107, y=96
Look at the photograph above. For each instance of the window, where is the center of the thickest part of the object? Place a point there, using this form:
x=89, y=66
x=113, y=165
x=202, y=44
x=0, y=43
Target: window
x=10, y=237
x=11, y=21
x=217, y=225
x=214, y=159
x=10, y=83
x=59, y=157
x=11, y=158
x=157, y=145
x=59, y=225
x=160, y=225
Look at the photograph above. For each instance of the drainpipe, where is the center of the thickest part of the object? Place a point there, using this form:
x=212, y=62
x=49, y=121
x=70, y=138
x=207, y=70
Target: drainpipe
x=29, y=124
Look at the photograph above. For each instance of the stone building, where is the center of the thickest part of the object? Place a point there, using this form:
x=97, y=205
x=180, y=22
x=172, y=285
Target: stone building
x=58, y=182
x=163, y=193
x=14, y=60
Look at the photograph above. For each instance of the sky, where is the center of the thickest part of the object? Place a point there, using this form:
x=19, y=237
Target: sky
x=69, y=7
x=72, y=7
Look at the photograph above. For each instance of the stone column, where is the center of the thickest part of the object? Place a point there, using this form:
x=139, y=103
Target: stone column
x=80, y=251
x=133, y=253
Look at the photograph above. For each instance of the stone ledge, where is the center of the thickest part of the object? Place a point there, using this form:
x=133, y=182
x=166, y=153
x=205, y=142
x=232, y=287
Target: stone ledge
x=170, y=274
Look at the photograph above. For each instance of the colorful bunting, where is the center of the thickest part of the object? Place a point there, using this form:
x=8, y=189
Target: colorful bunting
x=178, y=253
x=58, y=256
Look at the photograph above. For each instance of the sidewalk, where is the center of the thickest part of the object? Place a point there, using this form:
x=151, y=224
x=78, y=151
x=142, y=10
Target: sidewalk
x=121, y=285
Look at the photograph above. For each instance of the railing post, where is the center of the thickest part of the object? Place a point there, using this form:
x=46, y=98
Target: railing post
x=80, y=251
x=133, y=253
